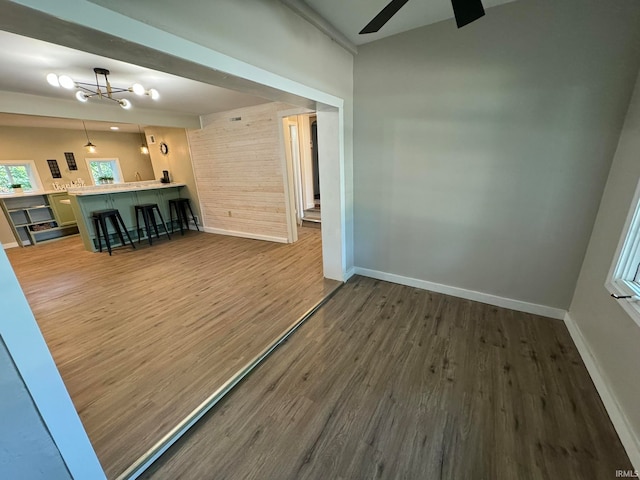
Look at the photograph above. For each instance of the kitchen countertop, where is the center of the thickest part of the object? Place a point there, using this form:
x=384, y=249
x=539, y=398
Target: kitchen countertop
x=121, y=187
x=29, y=194
x=98, y=189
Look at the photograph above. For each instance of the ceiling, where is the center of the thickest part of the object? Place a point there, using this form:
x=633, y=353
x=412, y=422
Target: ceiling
x=37, y=121
x=351, y=17
x=26, y=63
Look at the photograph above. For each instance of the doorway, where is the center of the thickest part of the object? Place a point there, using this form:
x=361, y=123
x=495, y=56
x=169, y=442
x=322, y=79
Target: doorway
x=334, y=243
x=300, y=135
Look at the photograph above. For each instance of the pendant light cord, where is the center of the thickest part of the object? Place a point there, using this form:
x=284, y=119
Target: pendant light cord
x=85, y=132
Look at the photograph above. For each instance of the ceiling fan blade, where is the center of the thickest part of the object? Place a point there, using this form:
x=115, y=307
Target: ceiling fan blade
x=467, y=11
x=384, y=16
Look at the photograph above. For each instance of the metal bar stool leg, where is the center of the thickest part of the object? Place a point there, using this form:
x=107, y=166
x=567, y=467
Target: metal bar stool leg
x=152, y=218
x=114, y=222
x=138, y=224
x=147, y=228
x=96, y=228
x=172, y=207
x=179, y=215
x=192, y=216
x=163, y=224
x=183, y=211
x=126, y=232
x=103, y=224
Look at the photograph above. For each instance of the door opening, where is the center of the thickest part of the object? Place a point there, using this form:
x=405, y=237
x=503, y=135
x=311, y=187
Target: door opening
x=301, y=153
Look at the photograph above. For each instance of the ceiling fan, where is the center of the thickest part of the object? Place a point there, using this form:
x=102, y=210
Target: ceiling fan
x=465, y=11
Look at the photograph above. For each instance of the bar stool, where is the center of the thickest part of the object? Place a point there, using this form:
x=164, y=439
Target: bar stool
x=100, y=223
x=180, y=205
x=148, y=217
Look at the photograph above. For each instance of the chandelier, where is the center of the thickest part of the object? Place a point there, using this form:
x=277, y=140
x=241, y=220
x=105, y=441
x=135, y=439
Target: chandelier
x=106, y=91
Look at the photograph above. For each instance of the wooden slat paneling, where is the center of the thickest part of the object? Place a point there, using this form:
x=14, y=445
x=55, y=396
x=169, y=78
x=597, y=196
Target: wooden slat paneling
x=239, y=170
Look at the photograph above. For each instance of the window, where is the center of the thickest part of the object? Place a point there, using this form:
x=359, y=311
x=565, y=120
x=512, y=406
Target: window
x=21, y=172
x=623, y=281
x=105, y=170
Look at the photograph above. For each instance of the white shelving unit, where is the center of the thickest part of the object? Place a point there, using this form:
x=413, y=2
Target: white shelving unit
x=33, y=220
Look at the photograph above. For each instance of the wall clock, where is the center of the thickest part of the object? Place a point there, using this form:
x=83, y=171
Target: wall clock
x=164, y=148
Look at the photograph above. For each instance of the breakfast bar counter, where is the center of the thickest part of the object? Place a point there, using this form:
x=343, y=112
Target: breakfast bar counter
x=123, y=197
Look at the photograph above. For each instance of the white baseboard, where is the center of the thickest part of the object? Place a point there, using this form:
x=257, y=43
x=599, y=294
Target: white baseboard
x=253, y=236
x=6, y=246
x=616, y=414
x=350, y=273
x=463, y=293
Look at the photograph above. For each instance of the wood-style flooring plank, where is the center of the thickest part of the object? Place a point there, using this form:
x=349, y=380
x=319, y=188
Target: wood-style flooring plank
x=391, y=382
x=143, y=337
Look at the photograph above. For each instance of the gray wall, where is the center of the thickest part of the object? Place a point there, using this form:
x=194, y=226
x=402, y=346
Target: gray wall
x=27, y=451
x=481, y=154
x=610, y=333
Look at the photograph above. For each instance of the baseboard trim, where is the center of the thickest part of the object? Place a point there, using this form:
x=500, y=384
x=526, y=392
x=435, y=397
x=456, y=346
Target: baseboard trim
x=7, y=246
x=629, y=440
x=253, y=236
x=350, y=273
x=504, y=302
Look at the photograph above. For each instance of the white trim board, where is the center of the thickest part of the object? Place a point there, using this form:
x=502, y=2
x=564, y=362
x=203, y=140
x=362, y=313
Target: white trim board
x=254, y=236
x=350, y=273
x=35, y=364
x=102, y=19
x=7, y=246
x=629, y=440
x=518, y=305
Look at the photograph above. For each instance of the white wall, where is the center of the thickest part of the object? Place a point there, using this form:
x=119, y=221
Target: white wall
x=481, y=153
x=609, y=332
x=26, y=448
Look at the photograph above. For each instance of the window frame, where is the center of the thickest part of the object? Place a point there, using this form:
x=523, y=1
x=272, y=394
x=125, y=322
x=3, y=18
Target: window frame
x=626, y=262
x=116, y=160
x=32, y=171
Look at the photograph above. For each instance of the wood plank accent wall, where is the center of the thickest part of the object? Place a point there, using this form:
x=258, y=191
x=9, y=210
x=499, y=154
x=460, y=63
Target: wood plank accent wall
x=239, y=171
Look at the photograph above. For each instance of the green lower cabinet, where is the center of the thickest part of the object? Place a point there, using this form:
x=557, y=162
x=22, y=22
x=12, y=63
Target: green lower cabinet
x=125, y=203
x=60, y=203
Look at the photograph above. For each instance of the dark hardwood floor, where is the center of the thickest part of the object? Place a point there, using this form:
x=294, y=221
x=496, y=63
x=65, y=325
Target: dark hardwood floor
x=143, y=337
x=387, y=381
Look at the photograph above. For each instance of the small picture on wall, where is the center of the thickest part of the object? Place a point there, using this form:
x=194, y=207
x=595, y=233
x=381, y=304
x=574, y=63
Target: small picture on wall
x=71, y=160
x=55, y=170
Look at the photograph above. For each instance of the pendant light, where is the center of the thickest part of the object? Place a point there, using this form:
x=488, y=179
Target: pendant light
x=143, y=143
x=91, y=148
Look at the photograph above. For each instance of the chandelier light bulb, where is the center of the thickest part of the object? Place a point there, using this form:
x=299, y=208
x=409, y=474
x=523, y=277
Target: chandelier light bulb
x=81, y=96
x=138, y=89
x=66, y=82
x=153, y=93
x=52, y=79
x=144, y=150
x=124, y=103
